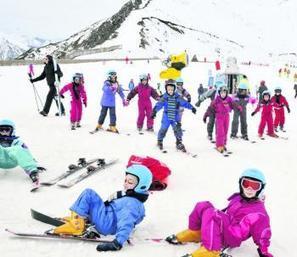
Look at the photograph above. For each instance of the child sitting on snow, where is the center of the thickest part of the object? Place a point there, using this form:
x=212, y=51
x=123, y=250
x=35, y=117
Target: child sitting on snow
x=244, y=217
x=13, y=152
x=117, y=216
x=78, y=94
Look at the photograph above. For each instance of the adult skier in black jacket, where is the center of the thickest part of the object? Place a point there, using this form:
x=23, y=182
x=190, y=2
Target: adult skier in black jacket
x=49, y=74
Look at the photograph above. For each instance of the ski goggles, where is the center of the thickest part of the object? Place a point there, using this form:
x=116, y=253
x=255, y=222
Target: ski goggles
x=255, y=185
x=5, y=130
x=112, y=73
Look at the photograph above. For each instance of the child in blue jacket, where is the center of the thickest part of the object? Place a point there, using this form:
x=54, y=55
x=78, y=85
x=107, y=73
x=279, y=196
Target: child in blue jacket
x=171, y=101
x=117, y=216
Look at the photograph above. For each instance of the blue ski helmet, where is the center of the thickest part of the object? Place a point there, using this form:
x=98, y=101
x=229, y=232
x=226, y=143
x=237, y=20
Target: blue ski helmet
x=144, y=176
x=8, y=124
x=243, y=86
x=110, y=73
x=179, y=80
x=218, y=83
x=143, y=77
x=253, y=174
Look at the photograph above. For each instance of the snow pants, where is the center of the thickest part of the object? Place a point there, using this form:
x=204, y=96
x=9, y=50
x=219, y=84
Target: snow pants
x=176, y=126
x=210, y=123
x=235, y=122
x=52, y=93
x=145, y=110
x=17, y=155
x=214, y=226
x=266, y=119
x=112, y=115
x=279, y=119
x=75, y=111
x=222, y=126
x=91, y=206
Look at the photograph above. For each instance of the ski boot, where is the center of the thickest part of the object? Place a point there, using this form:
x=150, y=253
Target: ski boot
x=160, y=144
x=180, y=146
x=202, y=251
x=209, y=137
x=43, y=113
x=232, y=136
x=91, y=232
x=275, y=129
x=220, y=149
x=73, y=126
x=245, y=137
x=75, y=225
x=282, y=128
x=187, y=235
x=98, y=127
x=150, y=129
x=34, y=176
x=113, y=129
x=58, y=114
x=78, y=124
x=139, y=129
x=272, y=135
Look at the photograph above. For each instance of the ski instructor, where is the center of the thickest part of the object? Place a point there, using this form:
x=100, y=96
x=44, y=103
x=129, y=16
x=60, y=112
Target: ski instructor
x=49, y=74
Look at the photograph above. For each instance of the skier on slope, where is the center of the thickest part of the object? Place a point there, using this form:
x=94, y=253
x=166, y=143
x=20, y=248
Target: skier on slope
x=171, y=102
x=242, y=98
x=110, y=88
x=78, y=94
x=144, y=91
x=244, y=217
x=266, y=116
x=279, y=102
x=14, y=152
x=117, y=216
x=221, y=106
x=49, y=73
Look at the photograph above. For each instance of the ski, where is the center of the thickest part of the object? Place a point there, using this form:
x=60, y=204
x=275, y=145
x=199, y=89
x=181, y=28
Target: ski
x=49, y=235
x=57, y=85
x=224, y=153
x=101, y=164
x=103, y=130
x=36, y=186
x=188, y=153
x=82, y=163
x=45, y=218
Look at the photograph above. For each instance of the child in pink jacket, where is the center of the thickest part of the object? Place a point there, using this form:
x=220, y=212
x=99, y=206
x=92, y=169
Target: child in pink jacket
x=78, y=95
x=221, y=106
x=244, y=217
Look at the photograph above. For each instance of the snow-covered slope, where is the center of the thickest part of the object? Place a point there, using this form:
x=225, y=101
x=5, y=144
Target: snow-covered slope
x=209, y=177
x=207, y=28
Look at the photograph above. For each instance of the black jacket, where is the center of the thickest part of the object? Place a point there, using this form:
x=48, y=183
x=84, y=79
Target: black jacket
x=49, y=74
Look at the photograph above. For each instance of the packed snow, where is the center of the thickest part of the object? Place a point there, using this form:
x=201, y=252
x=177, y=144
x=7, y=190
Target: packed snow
x=210, y=176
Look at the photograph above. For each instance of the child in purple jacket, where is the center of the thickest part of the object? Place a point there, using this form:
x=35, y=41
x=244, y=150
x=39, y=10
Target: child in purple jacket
x=78, y=95
x=145, y=92
x=244, y=217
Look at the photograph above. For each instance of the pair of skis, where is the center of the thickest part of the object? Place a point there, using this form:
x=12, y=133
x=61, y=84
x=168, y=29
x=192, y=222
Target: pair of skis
x=82, y=164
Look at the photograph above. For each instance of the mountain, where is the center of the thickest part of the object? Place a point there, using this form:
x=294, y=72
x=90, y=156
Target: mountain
x=208, y=28
x=12, y=46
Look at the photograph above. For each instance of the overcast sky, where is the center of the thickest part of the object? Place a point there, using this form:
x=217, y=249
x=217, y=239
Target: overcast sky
x=53, y=19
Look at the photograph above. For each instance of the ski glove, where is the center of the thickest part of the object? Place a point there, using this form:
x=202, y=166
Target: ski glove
x=85, y=104
x=116, y=195
x=288, y=109
x=154, y=113
x=41, y=169
x=264, y=254
x=253, y=113
x=109, y=246
x=31, y=80
x=62, y=96
x=194, y=110
x=125, y=102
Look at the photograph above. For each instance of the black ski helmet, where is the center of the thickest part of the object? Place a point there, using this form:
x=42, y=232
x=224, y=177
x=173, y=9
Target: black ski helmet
x=170, y=82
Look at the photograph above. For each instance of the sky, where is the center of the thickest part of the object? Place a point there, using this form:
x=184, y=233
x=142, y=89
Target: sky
x=54, y=19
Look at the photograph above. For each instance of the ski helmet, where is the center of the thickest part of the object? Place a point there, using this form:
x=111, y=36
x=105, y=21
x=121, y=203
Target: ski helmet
x=170, y=82
x=218, y=83
x=222, y=87
x=179, y=80
x=277, y=89
x=243, y=86
x=143, y=77
x=78, y=75
x=144, y=176
x=111, y=73
x=266, y=92
x=9, y=126
x=254, y=175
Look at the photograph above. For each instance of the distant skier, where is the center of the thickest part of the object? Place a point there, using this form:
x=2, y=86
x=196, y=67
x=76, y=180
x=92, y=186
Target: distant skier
x=110, y=88
x=131, y=85
x=171, y=102
x=261, y=89
x=14, y=152
x=244, y=217
x=183, y=93
x=145, y=92
x=279, y=102
x=78, y=95
x=117, y=216
x=200, y=90
x=295, y=88
x=49, y=74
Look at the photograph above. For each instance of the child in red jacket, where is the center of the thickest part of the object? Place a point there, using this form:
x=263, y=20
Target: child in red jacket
x=266, y=117
x=279, y=102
